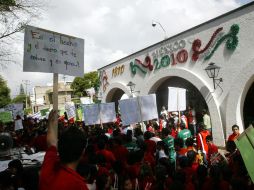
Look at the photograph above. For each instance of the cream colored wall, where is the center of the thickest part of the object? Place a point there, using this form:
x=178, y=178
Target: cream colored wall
x=237, y=70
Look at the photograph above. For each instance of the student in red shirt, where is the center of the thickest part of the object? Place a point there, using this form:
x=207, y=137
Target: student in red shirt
x=59, y=171
x=212, y=148
x=235, y=134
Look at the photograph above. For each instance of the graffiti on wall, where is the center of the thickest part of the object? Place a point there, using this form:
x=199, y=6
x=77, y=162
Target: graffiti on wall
x=175, y=53
x=104, y=80
x=118, y=70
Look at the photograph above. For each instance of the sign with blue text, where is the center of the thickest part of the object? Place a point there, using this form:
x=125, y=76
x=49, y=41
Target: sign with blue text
x=52, y=52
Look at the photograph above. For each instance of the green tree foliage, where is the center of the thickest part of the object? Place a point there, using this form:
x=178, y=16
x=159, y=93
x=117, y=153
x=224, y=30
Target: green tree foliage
x=5, y=97
x=14, y=16
x=80, y=84
x=21, y=99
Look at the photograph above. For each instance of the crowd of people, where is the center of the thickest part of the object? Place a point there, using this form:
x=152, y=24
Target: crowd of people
x=175, y=152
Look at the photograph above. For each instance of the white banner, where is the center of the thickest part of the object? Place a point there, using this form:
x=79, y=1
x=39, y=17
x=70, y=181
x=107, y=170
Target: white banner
x=86, y=100
x=148, y=107
x=36, y=115
x=70, y=109
x=90, y=91
x=181, y=99
x=16, y=109
x=52, y=52
x=176, y=99
x=130, y=111
x=172, y=99
x=91, y=114
x=107, y=112
x=18, y=124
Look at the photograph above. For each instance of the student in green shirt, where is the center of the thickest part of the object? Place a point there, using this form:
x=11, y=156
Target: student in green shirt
x=169, y=141
x=184, y=133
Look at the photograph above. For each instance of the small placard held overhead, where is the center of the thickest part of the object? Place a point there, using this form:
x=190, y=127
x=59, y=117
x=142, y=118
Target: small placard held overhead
x=91, y=114
x=107, y=112
x=51, y=52
x=141, y=108
x=148, y=107
x=176, y=99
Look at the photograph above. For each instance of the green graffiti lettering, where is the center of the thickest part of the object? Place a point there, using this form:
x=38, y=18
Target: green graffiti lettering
x=135, y=67
x=165, y=61
x=231, y=43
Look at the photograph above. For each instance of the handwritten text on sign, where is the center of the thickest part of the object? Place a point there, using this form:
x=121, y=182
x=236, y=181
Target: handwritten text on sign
x=50, y=52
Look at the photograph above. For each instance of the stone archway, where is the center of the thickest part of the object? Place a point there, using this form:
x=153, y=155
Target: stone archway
x=154, y=82
x=114, y=93
x=236, y=98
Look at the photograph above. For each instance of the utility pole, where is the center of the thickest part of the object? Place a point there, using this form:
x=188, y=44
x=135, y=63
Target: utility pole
x=26, y=83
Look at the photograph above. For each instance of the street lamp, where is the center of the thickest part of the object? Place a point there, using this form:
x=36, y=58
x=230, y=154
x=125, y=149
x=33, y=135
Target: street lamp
x=131, y=85
x=154, y=23
x=212, y=71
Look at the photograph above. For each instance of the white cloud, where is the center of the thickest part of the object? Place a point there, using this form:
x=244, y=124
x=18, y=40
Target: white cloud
x=114, y=29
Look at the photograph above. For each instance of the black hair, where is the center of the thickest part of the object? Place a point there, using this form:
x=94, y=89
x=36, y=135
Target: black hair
x=71, y=145
x=147, y=135
x=182, y=126
x=191, y=155
x=101, y=144
x=179, y=142
x=16, y=164
x=209, y=138
x=230, y=146
x=189, y=141
x=165, y=131
x=235, y=126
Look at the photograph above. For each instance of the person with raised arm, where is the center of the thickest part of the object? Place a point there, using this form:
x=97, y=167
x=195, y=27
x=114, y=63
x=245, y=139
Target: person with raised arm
x=58, y=169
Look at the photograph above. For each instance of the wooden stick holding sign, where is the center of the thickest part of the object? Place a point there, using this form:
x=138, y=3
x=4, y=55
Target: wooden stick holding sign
x=55, y=91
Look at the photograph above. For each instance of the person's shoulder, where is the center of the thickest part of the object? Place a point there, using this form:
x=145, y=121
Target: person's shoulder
x=74, y=179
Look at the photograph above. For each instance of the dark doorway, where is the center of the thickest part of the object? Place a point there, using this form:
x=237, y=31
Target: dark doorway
x=248, y=108
x=193, y=96
x=114, y=96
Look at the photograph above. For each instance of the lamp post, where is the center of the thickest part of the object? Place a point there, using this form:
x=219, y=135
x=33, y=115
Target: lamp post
x=154, y=23
x=212, y=71
x=131, y=85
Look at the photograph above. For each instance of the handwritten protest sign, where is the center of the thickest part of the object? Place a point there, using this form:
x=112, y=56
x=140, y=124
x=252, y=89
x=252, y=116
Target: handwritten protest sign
x=51, y=52
x=91, y=114
x=6, y=116
x=70, y=109
x=16, y=109
x=107, y=112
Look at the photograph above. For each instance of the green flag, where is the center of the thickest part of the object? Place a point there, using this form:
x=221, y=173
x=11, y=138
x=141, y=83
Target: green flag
x=245, y=145
x=79, y=114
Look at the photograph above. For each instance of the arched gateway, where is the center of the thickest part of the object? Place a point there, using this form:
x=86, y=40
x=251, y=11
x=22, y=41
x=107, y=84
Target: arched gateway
x=182, y=60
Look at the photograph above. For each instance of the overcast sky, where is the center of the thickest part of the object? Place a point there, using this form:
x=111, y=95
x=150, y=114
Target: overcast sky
x=113, y=29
